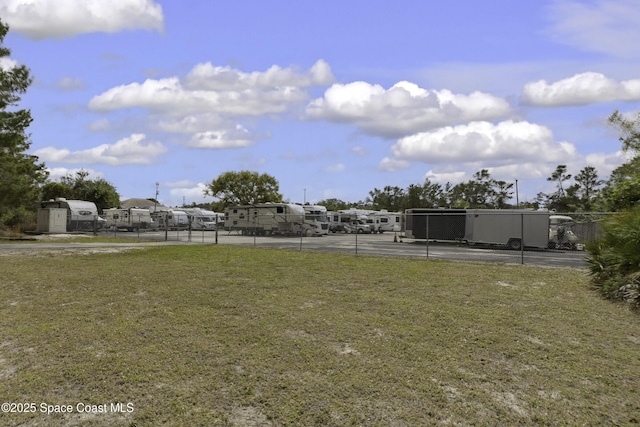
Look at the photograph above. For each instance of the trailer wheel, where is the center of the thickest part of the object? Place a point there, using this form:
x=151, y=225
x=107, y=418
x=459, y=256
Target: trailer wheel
x=514, y=244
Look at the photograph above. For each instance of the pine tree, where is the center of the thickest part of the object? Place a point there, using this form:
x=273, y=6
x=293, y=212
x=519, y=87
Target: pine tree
x=20, y=172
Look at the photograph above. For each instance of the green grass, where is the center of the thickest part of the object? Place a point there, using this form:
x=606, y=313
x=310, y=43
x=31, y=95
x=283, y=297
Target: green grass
x=223, y=335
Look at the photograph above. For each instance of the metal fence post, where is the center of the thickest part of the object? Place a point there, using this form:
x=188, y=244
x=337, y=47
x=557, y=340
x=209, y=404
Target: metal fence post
x=522, y=238
x=356, y=240
x=426, y=233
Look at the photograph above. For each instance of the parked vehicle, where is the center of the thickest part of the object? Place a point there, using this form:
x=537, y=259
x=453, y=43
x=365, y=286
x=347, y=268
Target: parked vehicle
x=560, y=234
x=129, y=219
x=62, y=215
x=385, y=221
x=315, y=219
x=507, y=227
x=349, y=221
x=170, y=219
x=267, y=218
x=201, y=219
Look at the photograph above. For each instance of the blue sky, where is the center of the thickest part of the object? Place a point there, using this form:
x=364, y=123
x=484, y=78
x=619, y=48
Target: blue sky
x=332, y=98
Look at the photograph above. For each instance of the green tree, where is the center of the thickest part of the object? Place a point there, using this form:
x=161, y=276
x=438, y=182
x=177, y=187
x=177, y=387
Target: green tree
x=629, y=130
x=79, y=187
x=482, y=192
x=20, y=173
x=426, y=195
x=244, y=188
x=334, y=204
x=558, y=200
x=389, y=198
x=622, y=190
x=586, y=188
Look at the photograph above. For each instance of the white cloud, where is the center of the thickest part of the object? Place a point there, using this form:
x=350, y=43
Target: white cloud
x=580, y=89
x=7, y=64
x=445, y=176
x=131, y=150
x=41, y=19
x=492, y=144
x=169, y=96
x=605, y=163
x=403, y=109
x=70, y=84
x=390, y=165
x=605, y=26
x=215, y=78
x=336, y=168
x=360, y=151
x=232, y=138
x=184, y=191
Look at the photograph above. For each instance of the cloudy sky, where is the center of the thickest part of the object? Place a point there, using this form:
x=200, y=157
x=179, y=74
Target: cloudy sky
x=333, y=98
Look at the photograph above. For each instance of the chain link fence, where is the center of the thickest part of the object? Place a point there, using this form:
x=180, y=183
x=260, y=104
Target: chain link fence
x=512, y=236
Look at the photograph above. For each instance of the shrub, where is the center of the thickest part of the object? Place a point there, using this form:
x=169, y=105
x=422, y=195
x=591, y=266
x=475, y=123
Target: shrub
x=17, y=221
x=615, y=258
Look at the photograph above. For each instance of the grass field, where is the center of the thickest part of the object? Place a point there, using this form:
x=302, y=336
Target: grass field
x=223, y=335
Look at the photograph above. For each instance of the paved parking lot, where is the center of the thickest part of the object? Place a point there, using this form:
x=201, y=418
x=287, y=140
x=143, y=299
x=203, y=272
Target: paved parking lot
x=378, y=244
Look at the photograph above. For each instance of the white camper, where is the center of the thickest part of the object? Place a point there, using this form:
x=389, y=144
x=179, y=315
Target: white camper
x=129, y=219
x=170, y=219
x=385, y=221
x=265, y=218
x=80, y=215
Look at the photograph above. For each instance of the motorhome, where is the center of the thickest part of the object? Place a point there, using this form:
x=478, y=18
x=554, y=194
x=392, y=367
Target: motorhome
x=128, y=218
x=201, y=219
x=266, y=218
x=349, y=221
x=508, y=227
x=315, y=219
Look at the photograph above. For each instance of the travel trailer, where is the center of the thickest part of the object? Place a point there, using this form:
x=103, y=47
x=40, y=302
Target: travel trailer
x=266, y=218
x=170, y=219
x=76, y=215
x=129, y=219
x=385, y=221
x=505, y=227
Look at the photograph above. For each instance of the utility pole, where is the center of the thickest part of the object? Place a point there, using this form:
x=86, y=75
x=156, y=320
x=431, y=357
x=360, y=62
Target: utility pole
x=155, y=203
x=517, y=196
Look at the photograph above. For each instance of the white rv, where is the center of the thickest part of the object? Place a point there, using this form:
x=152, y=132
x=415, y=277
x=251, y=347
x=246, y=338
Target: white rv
x=128, y=218
x=265, y=218
x=80, y=215
x=170, y=219
x=349, y=221
x=316, y=220
x=201, y=219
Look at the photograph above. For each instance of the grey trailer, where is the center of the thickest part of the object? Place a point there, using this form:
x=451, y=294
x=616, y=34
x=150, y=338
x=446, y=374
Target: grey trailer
x=509, y=227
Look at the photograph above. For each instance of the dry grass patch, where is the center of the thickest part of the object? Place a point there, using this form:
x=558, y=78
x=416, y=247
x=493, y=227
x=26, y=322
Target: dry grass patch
x=223, y=335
